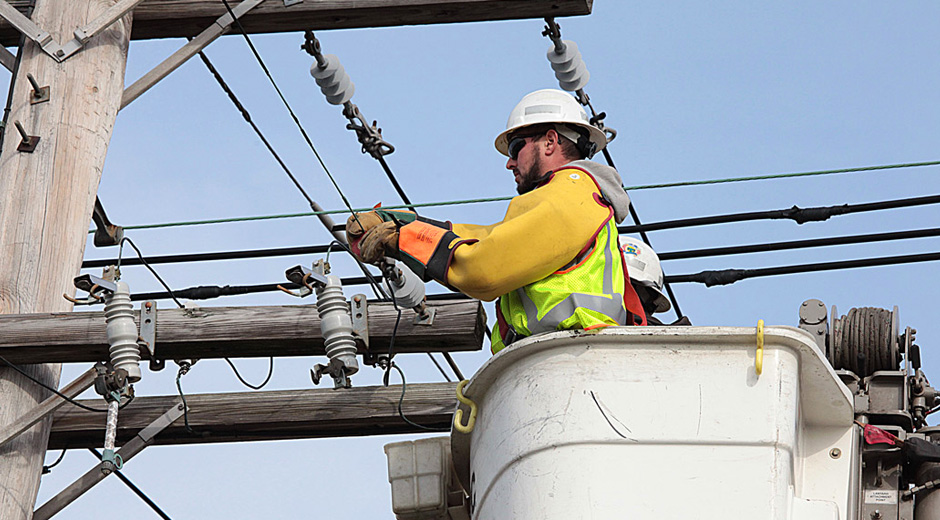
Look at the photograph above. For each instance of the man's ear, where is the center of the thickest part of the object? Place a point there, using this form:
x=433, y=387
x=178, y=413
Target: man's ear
x=551, y=142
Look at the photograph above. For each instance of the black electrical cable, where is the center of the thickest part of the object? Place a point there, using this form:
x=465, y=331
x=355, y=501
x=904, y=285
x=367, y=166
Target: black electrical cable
x=246, y=383
x=151, y=269
x=300, y=127
x=184, y=369
x=137, y=491
x=729, y=276
x=206, y=257
x=56, y=392
x=48, y=469
x=797, y=214
x=673, y=255
x=401, y=399
x=800, y=244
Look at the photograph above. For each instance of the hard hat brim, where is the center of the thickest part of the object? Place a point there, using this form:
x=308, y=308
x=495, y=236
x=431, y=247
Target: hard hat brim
x=597, y=136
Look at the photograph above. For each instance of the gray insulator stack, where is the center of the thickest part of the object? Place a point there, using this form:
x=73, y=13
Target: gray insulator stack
x=570, y=70
x=333, y=80
x=336, y=325
x=122, y=332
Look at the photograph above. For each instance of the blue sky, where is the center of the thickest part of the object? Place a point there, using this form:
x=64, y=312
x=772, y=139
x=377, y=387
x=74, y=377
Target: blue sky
x=696, y=90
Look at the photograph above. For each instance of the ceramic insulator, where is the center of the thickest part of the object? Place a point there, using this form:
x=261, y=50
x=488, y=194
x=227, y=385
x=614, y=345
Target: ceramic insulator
x=122, y=332
x=336, y=325
x=333, y=80
x=570, y=70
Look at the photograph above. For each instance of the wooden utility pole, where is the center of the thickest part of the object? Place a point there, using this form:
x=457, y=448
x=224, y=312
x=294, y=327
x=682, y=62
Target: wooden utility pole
x=46, y=199
x=47, y=193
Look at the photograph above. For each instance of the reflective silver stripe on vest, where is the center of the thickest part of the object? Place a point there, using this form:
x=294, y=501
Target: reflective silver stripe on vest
x=611, y=306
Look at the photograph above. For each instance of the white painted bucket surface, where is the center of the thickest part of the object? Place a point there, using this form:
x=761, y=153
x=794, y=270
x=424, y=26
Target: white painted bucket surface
x=660, y=423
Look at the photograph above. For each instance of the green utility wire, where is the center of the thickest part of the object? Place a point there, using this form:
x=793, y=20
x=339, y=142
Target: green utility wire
x=500, y=199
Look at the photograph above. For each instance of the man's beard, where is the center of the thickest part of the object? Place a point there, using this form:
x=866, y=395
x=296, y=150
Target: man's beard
x=531, y=178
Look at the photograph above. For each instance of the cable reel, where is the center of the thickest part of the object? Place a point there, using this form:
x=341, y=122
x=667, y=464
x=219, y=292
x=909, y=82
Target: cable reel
x=865, y=341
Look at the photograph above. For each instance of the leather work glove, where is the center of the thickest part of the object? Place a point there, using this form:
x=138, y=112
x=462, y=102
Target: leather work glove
x=360, y=223
x=378, y=242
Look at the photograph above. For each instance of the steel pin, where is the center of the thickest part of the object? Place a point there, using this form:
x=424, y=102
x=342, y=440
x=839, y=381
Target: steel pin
x=22, y=130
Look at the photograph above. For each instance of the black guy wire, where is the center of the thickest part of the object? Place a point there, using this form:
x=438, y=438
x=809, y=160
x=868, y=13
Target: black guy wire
x=797, y=214
x=729, y=276
x=137, y=491
x=394, y=181
x=246, y=383
x=289, y=109
x=439, y=367
x=643, y=235
x=55, y=391
x=800, y=244
x=48, y=469
x=247, y=117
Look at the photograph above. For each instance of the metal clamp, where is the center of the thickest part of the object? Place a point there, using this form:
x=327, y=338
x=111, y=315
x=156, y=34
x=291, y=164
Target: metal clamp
x=97, y=289
x=82, y=34
x=148, y=334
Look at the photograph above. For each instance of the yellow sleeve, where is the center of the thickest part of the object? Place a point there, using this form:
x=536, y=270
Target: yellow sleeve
x=542, y=231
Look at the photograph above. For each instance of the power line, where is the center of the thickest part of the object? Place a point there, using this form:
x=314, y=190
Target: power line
x=503, y=199
x=800, y=244
x=797, y=214
x=313, y=205
x=707, y=277
x=729, y=276
x=673, y=255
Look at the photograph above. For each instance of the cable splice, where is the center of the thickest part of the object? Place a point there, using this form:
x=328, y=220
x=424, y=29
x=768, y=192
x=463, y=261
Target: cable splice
x=729, y=276
x=795, y=213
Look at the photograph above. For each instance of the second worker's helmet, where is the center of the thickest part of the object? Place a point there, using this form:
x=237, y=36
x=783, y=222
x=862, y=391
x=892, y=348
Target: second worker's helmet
x=644, y=269
x=553, y=106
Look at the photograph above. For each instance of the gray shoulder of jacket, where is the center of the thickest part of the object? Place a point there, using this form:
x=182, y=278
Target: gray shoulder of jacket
x=611, y=186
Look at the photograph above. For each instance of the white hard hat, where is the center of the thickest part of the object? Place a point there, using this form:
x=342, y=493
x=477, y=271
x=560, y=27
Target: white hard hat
x=550, y=106
x=644, y=269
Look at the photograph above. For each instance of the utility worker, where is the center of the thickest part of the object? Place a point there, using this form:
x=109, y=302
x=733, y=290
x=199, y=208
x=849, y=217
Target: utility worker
x=554, y=260
x=646, y=277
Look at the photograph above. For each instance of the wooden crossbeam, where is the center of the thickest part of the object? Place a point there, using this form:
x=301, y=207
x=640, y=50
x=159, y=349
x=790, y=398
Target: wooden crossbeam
x=181, y=18
x=216, y=332
x=265, y=416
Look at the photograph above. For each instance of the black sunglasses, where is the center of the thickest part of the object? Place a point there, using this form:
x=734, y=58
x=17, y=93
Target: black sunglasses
x=517, y=143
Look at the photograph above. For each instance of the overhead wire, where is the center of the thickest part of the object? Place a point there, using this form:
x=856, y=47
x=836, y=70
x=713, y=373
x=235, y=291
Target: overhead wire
x=729, y=276
x=799, y=244
x=697, y=277
x=663, y=256
x=797, y=214
x=503, y=199
x=300, y=127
